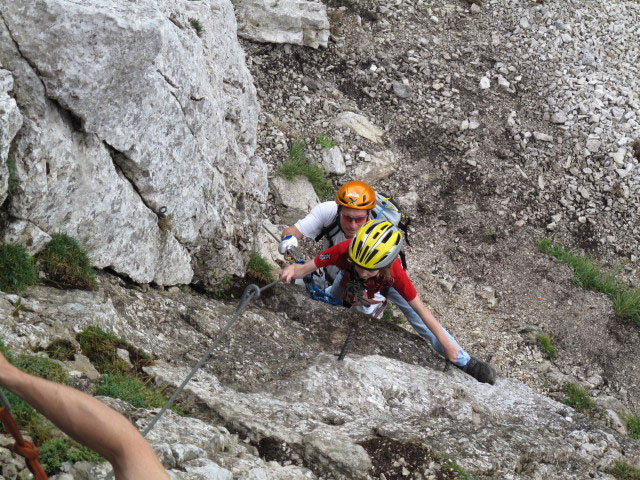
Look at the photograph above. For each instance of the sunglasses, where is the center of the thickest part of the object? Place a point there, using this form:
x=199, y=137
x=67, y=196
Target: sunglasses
x=356, y=220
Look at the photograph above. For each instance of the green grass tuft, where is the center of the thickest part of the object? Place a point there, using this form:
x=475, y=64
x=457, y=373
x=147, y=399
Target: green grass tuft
x=588, y=274
x=578, y=398
x=17, y=270
x=6, y=352
x=41, y=367
x=325, y=142
x=196, y=25
x=546, y=346
x=259, y=269
x=626, y=303
x=624, y=471
x=101, y=349
x=297, y=164
x=65, y=262
x=633, y=426
x=62, y=350
x=57, y=450
x=132, y=390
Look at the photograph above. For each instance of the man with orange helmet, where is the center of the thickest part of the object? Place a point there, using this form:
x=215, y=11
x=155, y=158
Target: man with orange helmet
x=333, y=221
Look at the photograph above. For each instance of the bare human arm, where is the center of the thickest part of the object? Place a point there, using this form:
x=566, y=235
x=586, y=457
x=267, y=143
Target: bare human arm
x=292, y=230
x=450, y=349
x=297, y=270
x=88, y=421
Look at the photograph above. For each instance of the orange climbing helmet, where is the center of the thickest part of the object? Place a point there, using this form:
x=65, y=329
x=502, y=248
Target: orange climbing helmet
x=357, y=195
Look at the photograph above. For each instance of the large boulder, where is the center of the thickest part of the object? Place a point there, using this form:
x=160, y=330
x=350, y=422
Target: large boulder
x=139, y=133
x=299, y=22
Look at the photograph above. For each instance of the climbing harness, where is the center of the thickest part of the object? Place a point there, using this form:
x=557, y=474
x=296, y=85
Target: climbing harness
x=21, y=447
x=251, y=292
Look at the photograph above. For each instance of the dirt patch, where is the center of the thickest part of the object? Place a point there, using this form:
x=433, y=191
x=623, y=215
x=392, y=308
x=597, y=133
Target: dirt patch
x=393, y=460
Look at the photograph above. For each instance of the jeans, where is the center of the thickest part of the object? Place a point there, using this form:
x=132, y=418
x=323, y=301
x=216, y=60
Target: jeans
x=413, y=318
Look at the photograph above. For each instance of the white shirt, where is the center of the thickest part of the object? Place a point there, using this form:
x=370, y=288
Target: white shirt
x=321, y=216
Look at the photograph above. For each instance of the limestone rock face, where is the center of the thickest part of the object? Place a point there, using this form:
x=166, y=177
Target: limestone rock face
x=128, y=109
x=10, y=123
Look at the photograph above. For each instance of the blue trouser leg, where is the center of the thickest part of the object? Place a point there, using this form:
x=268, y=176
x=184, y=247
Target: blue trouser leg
x=335, y=290
x=416, y=322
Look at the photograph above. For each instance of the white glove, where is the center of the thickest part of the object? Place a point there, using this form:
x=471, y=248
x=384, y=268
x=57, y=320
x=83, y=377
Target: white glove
x=286, y=243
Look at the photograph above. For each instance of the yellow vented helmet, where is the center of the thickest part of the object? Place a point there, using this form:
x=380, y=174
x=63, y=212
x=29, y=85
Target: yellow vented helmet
x=376, y=245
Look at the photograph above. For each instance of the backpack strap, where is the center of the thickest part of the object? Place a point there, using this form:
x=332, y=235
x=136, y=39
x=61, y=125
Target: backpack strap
x=403, y=260
x=329, y=231
x=404, y=226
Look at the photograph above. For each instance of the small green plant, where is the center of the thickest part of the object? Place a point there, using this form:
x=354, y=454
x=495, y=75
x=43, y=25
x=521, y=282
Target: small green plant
x=101, y=348
x=490, y=237
x=17, y=270
x=588, y=274
x=57, y=450
x=133, y=390
x=17, y=308
x=633, y=426
x=222, y=291
x=196, y=25
x=259, y=268
x=62, y=350
x=624, y=471
x=578, y=398
x=390, y=315
x=325, y=142
x=6, y=352
x=546, y=346
x=452, y=467
x=65, y=262
x=297, y=164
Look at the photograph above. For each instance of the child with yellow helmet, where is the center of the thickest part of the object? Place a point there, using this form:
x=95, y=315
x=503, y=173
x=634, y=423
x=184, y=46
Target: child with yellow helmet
x=370, y=265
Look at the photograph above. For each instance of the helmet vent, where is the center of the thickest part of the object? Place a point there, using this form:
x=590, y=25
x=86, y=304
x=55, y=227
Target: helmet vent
x=371, y=255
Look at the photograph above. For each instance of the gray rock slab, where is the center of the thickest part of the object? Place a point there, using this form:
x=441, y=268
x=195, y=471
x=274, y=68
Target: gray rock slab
x=298, y=22
x=295, y=198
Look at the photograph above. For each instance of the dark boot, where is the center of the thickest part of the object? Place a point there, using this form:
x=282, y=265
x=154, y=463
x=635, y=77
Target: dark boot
x=481, y=371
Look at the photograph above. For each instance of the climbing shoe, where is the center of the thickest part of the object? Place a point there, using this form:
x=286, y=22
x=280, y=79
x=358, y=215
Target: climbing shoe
x=481, y=371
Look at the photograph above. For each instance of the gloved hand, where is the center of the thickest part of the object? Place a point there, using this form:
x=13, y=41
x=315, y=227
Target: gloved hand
x=286, y=243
